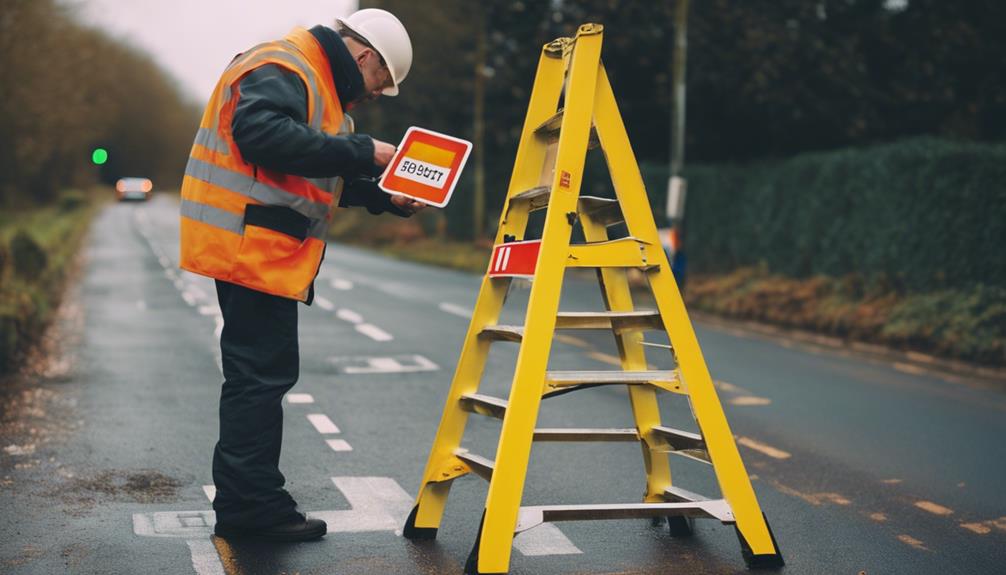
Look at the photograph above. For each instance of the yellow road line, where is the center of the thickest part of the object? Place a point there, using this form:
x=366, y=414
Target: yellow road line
x=909, y=540
x=934, y=508
x=763, y=448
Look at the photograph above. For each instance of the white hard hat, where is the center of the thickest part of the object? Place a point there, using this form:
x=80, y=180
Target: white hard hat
x=388, y=36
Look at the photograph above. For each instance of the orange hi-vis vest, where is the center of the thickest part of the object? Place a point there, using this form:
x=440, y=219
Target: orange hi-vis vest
x=247, y=225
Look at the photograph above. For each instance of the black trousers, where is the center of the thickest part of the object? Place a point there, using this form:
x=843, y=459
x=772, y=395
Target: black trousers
x=261, y=362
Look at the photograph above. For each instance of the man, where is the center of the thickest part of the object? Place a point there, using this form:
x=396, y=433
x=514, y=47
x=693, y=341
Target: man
x=268, y=163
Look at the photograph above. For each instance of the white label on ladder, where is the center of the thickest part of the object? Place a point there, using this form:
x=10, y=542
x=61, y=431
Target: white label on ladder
x=515, y=259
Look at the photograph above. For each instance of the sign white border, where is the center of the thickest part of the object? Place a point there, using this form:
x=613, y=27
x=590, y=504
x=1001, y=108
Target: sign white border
x=398, y=153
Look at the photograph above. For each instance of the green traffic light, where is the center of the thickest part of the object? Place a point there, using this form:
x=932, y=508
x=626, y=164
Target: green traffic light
x=99, y=156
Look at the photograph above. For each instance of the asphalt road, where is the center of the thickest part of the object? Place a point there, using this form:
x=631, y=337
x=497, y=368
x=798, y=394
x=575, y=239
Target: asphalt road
x=859, y=464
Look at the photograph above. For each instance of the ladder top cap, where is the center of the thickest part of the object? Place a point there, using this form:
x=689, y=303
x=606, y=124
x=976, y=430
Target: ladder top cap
x=590, y=29
x=557, y=48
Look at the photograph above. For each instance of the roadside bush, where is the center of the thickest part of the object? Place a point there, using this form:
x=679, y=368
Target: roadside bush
x=28, y=257
x=918, y=215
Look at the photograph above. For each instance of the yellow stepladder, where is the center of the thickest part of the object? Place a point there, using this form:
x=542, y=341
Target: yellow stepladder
x=547, y=175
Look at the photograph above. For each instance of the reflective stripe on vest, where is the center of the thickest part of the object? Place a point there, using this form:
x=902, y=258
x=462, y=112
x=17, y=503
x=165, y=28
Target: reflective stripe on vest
x=213, y=216
x=254, y=189
x=208, y=138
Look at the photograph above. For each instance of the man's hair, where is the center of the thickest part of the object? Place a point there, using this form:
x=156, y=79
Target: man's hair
x=345, y=32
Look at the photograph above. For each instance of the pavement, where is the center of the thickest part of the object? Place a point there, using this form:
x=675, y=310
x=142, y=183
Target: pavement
x=861, y=465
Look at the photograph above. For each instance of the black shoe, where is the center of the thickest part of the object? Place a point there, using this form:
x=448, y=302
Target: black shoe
x=297, y=530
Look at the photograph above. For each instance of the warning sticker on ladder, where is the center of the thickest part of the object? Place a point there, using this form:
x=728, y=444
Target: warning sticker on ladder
x=514, y=259
x=426, y=166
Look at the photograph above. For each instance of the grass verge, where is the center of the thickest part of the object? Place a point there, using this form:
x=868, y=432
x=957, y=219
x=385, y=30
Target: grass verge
x=37, y=248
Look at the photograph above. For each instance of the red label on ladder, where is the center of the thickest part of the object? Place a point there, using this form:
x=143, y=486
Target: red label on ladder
x=514, y=259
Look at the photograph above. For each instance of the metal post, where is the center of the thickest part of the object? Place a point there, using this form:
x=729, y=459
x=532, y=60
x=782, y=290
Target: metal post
x=676, y=184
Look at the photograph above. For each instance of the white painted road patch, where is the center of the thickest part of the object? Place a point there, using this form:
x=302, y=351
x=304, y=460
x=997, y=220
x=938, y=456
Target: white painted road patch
x=205, y=559
x=341, y=284
x=409, y=363
x=324, y=303
x=545, y=539
x=349, y=315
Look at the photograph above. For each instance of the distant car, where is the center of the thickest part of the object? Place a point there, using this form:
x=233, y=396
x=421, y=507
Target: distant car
x=133, y=189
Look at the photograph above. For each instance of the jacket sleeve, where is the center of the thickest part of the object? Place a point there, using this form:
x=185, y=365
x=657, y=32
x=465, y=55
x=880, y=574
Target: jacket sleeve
x=270, y=129
x=365, y=192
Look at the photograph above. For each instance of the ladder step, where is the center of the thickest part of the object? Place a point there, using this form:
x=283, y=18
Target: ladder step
x=604, y=211
x=678, y=495
x=549, y=130
x=483, y=405
x=626, y=252
x=533, y=516
x=619, y=321
x=586, y=434
x=569, y=378
x=684, y=443
x=481, y=466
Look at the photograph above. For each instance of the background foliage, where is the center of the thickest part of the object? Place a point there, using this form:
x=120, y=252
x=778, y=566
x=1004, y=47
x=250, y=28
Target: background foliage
x=66, y=89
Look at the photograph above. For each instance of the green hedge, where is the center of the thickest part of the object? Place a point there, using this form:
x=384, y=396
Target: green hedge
x=37, y=247
x=917, y=215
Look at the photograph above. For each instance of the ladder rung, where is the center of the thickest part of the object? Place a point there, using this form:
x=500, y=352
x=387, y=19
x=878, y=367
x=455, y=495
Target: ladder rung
x=621, y=253
x=619, y=321
x=678, y=495
x=586, y=434
x=549, y=130
x=514, y=333
x=616, y=320
x=537, y=198
x=533, y=516
x=568, y=378
x=483, y=405
x=685, y=443
x=481, y=466
x=604, y=211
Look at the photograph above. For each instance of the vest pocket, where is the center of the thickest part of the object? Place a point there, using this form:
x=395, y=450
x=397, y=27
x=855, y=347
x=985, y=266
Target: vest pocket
x=274, y=256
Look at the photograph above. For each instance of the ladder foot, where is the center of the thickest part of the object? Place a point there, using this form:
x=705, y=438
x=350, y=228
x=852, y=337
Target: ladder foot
x=679, y=526
x=764, y=561
x=472, y=565
x=410, y=531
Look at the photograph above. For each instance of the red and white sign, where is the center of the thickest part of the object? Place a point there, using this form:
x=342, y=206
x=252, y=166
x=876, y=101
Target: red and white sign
x=514, y=259
x=426, y=166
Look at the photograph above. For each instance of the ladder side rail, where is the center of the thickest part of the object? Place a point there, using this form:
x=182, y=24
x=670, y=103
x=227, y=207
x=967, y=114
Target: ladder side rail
x=730, y=472
x=617, y=296
x=434, y=489
x=491, y=553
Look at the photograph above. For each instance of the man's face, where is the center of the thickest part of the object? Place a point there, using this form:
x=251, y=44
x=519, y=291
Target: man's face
x=376, y=76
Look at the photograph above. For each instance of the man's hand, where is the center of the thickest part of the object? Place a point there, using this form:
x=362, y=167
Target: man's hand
x=383, y=152
x=407, y=205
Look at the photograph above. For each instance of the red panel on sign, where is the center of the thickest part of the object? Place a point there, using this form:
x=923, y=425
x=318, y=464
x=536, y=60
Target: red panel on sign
x=515, y=259
x=426, y=166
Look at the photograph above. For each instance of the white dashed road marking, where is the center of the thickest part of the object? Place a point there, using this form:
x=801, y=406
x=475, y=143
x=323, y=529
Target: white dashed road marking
x=349, y=315
x=339, y=445
x=455, y=310
x=341, y=284
x=299, y=398
x=322, y=423
x=373, y=332
x=210, y=491
x=324, y=303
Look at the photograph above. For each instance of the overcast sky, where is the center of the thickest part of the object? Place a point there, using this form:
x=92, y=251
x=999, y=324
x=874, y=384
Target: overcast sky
x=195, y=39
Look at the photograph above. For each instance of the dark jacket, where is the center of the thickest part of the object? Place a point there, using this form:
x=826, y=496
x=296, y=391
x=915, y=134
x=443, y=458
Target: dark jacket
x=270, y=128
